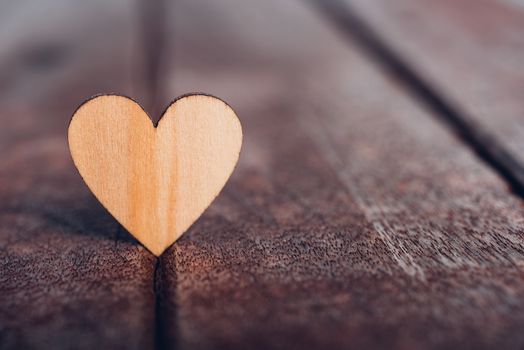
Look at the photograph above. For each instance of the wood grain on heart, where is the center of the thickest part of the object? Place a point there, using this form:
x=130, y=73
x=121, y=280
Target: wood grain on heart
x=155, y=180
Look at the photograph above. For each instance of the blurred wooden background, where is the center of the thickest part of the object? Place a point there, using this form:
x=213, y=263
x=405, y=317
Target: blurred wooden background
x=377, y=202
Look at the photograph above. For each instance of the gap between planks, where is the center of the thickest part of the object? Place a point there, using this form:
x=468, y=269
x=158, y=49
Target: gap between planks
x=160, y=334
x=481, y=141
x=152, y=26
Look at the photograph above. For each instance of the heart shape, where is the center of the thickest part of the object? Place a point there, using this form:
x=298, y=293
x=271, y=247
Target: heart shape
x=155, y=180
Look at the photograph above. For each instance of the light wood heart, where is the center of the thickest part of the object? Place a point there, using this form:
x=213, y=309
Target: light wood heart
x=155, y=180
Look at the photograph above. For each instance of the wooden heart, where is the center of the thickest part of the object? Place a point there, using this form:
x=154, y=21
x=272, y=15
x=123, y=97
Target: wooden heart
x=155, y=180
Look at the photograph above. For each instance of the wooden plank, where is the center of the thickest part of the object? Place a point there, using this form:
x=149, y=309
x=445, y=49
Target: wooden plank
x=353, y=220
x=470, y=53
x=70, y=277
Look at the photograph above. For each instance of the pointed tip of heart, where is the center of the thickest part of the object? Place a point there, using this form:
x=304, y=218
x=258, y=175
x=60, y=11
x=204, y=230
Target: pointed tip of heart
x=157, y=250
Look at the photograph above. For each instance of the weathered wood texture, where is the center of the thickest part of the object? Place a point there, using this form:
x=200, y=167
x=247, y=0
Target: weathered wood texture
x=354, y=219
x=70, y=278
x=471, y=52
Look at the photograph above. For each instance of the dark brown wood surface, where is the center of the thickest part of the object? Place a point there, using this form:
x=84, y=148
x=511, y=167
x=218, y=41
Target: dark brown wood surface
x=354, y=219
x=470, y=52
x=70, y=277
